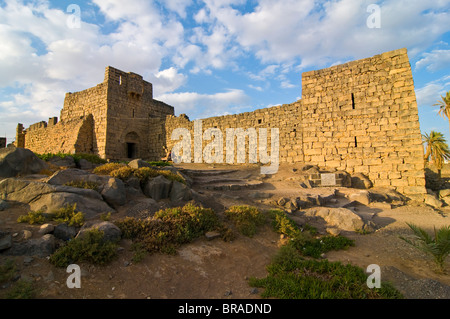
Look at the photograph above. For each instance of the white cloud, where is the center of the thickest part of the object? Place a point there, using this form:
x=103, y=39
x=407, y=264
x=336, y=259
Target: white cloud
x=178, y=6
x=254, y=87
x=167, y=80
x=432, y=92
x=287, y=85
x=435, y=60
x=319, y=33
x=205, y=105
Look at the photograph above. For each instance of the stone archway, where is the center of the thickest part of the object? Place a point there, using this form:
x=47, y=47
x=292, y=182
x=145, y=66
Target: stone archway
x=132, y=145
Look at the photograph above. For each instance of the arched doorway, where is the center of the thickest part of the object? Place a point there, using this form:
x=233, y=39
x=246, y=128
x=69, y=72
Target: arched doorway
x=132, y=145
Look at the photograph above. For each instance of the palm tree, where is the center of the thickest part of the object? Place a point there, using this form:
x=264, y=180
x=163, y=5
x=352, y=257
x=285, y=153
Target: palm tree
x=437, y=149
x=438, y=247
x=444, y=106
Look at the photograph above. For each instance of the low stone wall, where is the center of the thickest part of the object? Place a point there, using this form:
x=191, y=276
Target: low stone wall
x=73, y=136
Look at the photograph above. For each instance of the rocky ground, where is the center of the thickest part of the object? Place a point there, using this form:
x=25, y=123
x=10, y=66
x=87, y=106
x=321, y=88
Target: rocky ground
x=214, y=268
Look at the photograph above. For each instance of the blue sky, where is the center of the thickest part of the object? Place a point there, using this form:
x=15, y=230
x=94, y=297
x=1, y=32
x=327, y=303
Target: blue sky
x=209, y=57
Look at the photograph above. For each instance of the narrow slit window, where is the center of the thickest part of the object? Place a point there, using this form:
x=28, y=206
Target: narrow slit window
x=356, y=142
x=133, y=113
x=120, y=80
x=353, y=101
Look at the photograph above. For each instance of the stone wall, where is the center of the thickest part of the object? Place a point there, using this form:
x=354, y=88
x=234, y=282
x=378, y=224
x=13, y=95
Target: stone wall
x=91, y=101
x=74, y=136
x=131, y=112
x=360, y=117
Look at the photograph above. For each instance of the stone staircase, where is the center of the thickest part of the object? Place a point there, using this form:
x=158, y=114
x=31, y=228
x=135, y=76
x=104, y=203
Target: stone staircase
x=219, y=180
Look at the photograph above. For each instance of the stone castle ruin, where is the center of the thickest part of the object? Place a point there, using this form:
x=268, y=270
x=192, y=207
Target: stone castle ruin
x=358, y=117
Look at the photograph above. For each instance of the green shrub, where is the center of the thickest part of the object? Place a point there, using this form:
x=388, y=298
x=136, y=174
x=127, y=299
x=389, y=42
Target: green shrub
x=91, y=248
x=159, y=163
x=122, y=172
x=105, y=217
x=67, y=214
x=32, y=218
x=292, y=277
x=7, y=271
x=106, y=169
x=144, y=173
x=169, y=228
x=83, y=184
x=89, y=157
x=23, y=289
x=315, y=247
x=303, y=240
x=247, y=219
x=95, y=159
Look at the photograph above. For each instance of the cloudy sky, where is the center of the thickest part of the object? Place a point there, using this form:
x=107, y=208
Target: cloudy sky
x=210, y=57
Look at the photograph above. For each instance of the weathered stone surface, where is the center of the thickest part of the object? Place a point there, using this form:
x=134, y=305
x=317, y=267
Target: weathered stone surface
x=113, y=192
x=46, y=229
x=41, y=247
x=3, y=205
x=5, y=240
x=341, y=218
x=158, y=188
x=67, y=161
x=180, y=191
x=363, y=197
x=19, y=161
x=143, y=208
x=64, y=231
x=51, y=197
x=359, y=180
x=138, y=163
x=85, y=164
x=432, y=201
x=444, y=193
x=90, y=207
x=110, y=231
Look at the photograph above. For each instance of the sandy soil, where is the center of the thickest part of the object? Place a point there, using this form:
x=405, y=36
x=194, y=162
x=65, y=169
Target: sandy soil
x=218, y=269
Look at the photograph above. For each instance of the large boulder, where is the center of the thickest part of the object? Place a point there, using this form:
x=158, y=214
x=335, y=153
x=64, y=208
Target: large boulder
x=112, y=189
x=341, y=218
x=433, y=201
x=64, y=231
x=19, y=161
x=113, y=192
x=138, y=163
x=361, y=181
x=158, y=188
x=41, y=247
x=180, y=192
x=110, y=231
x=65, y=176
x=91, y=207
x=363, y=197
x=46, y=197
x=67, y=161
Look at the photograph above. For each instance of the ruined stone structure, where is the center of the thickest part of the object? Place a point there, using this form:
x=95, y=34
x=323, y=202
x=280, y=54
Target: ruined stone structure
x=114, y=120
x=359, y=117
